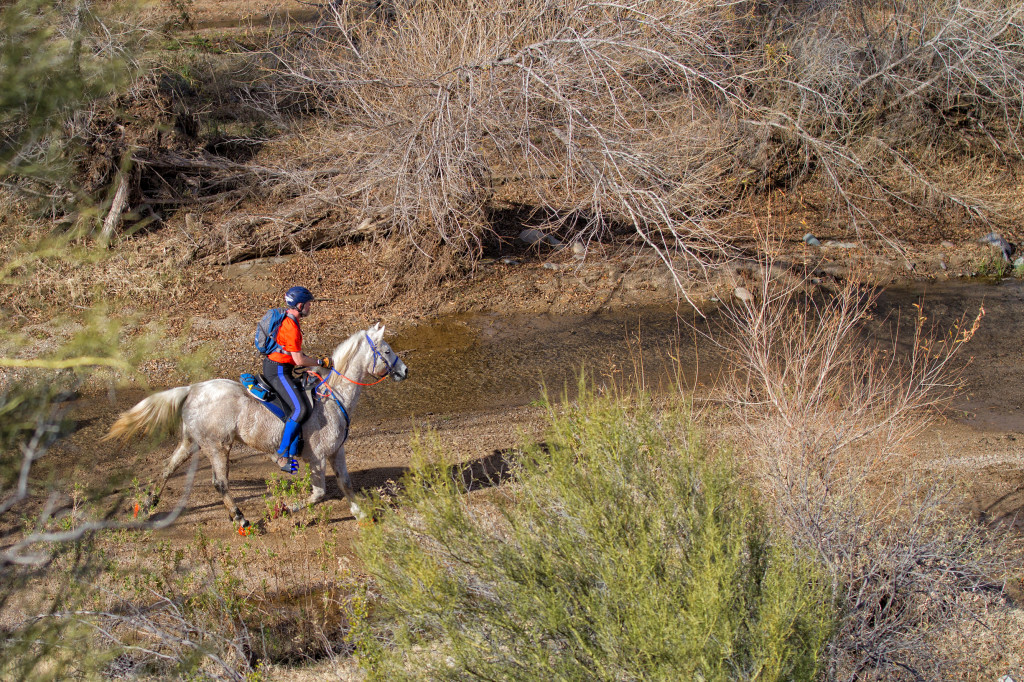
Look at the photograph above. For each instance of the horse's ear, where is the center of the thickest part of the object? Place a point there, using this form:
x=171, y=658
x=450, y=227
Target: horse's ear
x=378, y=330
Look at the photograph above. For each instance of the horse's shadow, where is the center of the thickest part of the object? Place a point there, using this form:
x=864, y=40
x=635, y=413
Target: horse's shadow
x=485, y=472
x=256, y=489
x=489, y=471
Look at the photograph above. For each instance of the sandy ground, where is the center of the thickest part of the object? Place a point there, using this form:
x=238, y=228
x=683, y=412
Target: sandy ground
x=477, y=356
x=473, y=375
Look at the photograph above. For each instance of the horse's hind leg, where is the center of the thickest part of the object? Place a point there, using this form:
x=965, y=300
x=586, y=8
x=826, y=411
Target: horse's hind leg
x=185, y=448
x=221, y=465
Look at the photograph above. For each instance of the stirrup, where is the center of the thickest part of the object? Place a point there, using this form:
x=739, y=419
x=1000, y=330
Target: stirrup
x=291, y=464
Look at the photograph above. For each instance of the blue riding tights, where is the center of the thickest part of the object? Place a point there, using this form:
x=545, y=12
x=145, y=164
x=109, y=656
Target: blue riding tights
x=295, y=399
x=290, y=439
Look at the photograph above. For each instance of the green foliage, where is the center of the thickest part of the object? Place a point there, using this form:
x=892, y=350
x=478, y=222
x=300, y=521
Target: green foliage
x=26, y=413
x=994, y=266
x=49, y=67
x=622, y=549
x=285, y=492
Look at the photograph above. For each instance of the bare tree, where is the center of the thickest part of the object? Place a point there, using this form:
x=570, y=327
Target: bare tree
x=657, y=115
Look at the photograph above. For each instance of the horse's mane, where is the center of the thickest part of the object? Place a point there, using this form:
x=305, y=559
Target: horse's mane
x=346, y=351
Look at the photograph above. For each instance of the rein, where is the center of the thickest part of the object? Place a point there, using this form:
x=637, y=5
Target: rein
x=358, y=383
x=324, y=389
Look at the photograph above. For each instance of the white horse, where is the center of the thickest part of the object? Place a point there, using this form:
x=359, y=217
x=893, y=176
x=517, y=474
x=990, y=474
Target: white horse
x=213, y=414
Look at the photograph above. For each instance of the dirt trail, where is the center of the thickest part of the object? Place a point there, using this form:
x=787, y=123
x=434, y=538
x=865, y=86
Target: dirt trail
x=473, y=379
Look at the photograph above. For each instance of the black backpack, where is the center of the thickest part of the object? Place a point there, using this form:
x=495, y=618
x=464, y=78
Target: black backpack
x=266, y=331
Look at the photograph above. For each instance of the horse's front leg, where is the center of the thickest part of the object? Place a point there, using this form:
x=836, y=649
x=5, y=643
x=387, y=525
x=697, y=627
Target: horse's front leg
x=345, y=483
x=318, y=480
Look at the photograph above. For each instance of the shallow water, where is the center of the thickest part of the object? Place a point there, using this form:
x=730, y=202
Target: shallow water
x=484, y=362
x=476, y=362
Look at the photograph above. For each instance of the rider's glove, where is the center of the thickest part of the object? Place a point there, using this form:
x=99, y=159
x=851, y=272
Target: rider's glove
x=325, y=362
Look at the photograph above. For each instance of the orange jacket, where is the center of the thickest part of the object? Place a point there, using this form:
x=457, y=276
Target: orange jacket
x=289, y=337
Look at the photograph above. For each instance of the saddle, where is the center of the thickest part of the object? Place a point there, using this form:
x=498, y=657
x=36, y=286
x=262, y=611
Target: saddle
x=260, y=388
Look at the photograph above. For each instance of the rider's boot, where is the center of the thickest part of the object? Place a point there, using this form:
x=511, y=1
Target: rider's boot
x=295, y=449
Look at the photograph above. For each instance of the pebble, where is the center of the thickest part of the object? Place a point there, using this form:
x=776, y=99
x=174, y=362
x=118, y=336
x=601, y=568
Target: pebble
x=947, y=244
x=551, y=266
x=744, y=295
x=531, y=236
x=509, y=261
x=811, y=240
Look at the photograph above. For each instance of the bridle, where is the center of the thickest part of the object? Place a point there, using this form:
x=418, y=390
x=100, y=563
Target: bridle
x=377, y=356
x=324, y=389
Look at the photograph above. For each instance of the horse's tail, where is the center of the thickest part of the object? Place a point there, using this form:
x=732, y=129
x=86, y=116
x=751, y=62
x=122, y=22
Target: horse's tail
x=159, y=412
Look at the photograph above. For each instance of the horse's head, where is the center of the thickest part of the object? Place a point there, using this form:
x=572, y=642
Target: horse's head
x=385, y=361
x=367, y=356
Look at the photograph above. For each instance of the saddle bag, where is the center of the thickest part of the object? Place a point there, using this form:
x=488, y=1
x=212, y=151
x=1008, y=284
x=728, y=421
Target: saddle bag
x=258, y=387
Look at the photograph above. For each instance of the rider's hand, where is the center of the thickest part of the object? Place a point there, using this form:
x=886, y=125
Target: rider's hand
x=325, y=362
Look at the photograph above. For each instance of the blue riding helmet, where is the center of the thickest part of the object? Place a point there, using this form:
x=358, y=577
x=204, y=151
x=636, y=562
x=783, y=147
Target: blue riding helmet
x=297, y=296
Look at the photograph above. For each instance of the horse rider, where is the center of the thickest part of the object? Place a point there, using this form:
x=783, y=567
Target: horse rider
x=278, y=366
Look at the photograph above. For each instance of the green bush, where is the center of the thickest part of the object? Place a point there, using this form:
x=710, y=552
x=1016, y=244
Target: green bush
x=55, y=58
x=622, y=548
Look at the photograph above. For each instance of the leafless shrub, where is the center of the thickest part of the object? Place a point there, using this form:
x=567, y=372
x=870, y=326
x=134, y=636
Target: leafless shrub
x=582, y=104
x=895, y=104
x=827, y=417
x=657, y=114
